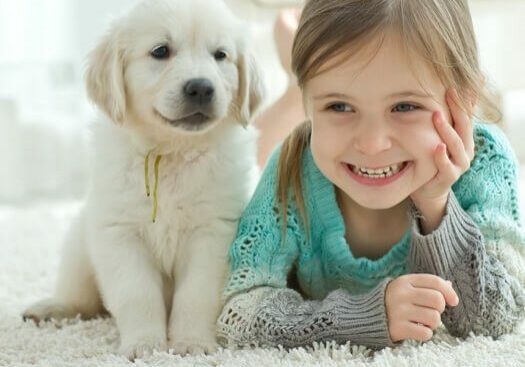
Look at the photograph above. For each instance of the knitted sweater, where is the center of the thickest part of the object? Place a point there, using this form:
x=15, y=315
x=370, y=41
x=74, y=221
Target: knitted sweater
x=478, y=246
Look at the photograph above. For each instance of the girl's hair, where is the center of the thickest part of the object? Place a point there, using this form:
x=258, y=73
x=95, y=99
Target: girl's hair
x=439, y=32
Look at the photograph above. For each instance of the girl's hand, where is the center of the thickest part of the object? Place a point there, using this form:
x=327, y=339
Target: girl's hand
x=414, y=304
x=458, y=140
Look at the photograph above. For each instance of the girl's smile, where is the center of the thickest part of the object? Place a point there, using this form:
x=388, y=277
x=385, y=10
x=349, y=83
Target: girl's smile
x=379, y=176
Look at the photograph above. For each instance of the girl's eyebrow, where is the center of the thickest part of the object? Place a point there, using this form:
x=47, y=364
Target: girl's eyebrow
x=411, y=93
x=332, y=95
x=404, y=94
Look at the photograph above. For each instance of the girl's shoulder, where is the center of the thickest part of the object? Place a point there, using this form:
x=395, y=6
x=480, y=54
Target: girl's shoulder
x=488, y=191
x=491, y=142
x=271, y=167
x=492, y=172
x=269, y=179
x=267, y=183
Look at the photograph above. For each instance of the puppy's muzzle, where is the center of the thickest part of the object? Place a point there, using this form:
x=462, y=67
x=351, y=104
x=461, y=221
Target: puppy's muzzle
x=199, y=92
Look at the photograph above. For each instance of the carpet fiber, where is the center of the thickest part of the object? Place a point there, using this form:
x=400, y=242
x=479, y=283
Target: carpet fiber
x=30, y=239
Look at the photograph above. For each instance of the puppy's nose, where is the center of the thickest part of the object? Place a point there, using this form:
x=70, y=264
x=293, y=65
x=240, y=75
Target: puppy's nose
x=199, y=91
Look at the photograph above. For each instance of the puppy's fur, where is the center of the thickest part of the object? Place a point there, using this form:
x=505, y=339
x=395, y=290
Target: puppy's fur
x=176, y=80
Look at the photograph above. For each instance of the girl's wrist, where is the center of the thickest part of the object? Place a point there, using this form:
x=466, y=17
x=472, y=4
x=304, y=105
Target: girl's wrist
x=432, y=213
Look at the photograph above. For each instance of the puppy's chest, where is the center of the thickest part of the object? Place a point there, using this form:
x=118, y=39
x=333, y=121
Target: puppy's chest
x=182, y=190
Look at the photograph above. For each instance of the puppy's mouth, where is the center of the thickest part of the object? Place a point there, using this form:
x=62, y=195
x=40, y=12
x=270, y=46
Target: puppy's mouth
x=194, y=120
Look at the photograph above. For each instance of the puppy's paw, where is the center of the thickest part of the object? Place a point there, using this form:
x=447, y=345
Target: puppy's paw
x=48, y=309
x=142, y=348
x=193, y=347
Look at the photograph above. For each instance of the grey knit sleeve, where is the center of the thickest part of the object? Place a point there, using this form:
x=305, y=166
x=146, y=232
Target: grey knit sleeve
x=491, y=301
x=267, y=316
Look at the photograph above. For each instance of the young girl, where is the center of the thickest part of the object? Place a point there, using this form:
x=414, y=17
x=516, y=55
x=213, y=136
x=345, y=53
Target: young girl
x=388, y=211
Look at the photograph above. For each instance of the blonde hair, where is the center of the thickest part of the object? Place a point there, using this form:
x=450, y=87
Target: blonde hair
x=439, y=32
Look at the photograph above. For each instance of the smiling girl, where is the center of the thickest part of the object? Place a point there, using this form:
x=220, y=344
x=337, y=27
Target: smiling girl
x=389, y=211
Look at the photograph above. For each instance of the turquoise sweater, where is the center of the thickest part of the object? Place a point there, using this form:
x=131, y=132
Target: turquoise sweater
x=322, y=259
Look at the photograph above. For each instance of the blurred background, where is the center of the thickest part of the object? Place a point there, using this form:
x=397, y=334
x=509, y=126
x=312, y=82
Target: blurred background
x=44, y=113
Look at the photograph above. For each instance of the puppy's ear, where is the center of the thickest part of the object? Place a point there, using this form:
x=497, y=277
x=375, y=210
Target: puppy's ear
x=251, y=89
x=105, y=77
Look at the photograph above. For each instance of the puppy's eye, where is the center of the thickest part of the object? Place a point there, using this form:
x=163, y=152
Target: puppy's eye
x=160, y=52
x=220, y=55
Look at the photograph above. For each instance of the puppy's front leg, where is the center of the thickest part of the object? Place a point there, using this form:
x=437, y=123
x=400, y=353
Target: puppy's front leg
x=200, y=274
x=131, y=289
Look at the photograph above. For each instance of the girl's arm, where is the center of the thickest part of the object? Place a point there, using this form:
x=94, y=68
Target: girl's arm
x=491, y=298
x=267, y=316
x=261, y=310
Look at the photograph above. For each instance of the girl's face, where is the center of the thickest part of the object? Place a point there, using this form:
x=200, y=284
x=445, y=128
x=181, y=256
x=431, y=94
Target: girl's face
x=374, y=114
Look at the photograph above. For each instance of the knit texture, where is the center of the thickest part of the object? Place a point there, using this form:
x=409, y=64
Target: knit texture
x=483, y=217
x=491, y=299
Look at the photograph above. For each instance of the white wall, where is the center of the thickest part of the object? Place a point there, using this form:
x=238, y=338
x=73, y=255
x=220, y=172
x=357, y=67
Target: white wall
x=500, y=27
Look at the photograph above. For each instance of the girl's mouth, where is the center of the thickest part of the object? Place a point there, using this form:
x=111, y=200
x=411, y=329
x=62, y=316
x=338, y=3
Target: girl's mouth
x=377, y=177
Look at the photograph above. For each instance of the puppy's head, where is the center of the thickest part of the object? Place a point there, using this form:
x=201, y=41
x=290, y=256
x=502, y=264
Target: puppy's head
x=175, y=66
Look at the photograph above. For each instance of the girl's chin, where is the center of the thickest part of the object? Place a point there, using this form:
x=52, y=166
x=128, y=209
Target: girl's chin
x=378, y=203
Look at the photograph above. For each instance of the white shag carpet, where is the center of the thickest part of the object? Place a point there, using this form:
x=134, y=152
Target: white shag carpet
x=30, y=239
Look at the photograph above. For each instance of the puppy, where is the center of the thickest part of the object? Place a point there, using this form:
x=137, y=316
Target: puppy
x=173, y=167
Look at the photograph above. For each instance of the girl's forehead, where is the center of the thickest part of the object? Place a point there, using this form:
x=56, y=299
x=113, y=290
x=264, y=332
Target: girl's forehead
x=377, y=67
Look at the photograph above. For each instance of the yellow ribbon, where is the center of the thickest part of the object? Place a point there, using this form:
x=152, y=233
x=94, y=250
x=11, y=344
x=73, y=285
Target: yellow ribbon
x=146, y=180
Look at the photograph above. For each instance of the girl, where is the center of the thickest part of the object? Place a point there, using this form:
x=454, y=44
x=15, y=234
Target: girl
x=388, y=211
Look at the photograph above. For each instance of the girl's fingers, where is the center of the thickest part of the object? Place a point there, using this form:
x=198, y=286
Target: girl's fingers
x=418, y=332
x=446, y=171
x=453, y=142
x=444, y=165
x=437, y=283
x=428, y=317
x=429, y=298
x=462, y=121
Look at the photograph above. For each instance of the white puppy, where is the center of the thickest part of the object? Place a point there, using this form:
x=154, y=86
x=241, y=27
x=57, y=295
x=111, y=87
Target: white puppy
x=179, y=87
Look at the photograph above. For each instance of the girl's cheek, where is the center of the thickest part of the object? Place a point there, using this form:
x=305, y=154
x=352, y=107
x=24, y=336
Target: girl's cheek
x=421, y=140
x=429, y=140
x=422, y=143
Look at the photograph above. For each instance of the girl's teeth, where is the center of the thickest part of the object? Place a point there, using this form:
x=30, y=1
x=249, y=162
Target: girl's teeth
x=378, y=173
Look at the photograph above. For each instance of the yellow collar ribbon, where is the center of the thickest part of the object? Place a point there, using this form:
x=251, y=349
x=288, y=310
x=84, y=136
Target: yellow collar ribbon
x=146, y=180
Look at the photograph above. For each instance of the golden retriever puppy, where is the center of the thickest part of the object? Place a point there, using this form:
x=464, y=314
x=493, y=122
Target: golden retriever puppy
x=173, y=167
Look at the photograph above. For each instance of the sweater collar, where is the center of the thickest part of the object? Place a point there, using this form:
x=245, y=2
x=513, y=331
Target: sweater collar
x=326, y=216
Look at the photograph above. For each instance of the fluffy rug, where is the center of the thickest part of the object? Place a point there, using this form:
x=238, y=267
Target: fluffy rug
x=29, y=248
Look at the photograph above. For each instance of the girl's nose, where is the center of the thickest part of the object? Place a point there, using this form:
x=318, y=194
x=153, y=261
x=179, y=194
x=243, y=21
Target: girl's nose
x=371, y=138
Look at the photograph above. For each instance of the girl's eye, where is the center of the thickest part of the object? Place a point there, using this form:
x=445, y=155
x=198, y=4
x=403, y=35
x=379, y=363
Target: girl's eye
x=160, y=52
x=340, y=107
x=220, y=55
x=405, y=107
